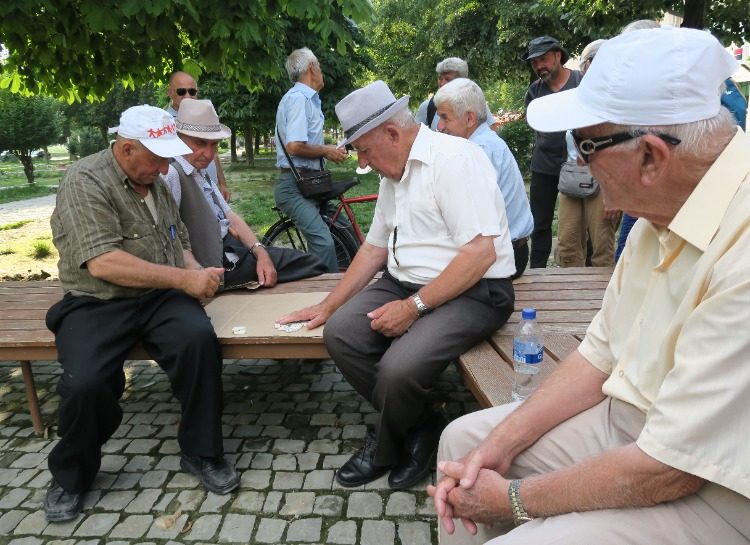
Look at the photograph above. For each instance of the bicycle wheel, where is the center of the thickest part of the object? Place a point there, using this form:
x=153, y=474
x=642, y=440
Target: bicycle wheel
x=284, y=234
x=346, y=247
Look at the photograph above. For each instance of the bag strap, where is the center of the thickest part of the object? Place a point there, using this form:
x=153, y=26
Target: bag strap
x=296, y=173
x=431, y=111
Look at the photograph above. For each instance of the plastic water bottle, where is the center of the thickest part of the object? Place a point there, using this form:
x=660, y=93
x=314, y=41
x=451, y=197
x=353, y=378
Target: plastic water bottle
x=528, y=353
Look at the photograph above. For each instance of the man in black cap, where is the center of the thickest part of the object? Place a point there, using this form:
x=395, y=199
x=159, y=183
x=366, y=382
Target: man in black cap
x=546, y=57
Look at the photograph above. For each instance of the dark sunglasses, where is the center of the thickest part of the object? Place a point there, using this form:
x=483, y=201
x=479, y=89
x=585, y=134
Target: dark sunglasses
x=587, y=147
x=181, y=91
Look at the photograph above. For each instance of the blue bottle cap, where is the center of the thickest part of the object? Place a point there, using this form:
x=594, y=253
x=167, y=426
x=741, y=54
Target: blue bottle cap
x=528, y=314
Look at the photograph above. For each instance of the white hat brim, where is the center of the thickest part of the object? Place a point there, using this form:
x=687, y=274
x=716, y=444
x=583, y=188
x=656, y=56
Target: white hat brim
x=561, y=111
x=397, y=106
x=166, y=147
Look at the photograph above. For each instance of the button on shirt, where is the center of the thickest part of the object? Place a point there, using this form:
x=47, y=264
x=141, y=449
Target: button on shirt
x=446, y=197
x=299, y=118
x=98, y=211
x=673, y=334
x=210, y=190
x=509, y=180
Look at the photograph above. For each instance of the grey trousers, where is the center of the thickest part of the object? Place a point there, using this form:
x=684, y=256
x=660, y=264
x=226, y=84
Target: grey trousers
x=397, y=374
x=610, y=424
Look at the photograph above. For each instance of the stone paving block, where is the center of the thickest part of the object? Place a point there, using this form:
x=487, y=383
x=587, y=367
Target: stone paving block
x=328, y=419
x=328, y=506
x=164, y=502
x=98, y=524
x=133, y=527
x=336, y=461
x=183, y=480
x=319, y=479
x=401, y=503
x=255, y=479
x=153, y=479
x=270, y=531
x=377, y=532
x=13, y=498
x=191, y=499
x=116, y=500
x=329, y=432
x=139, y=463
x=288, y=446
x=426, y=507
x=354, y=431
x=414, y=533
x=30, y=460
x=41, y=480
x=287, y=480
x=31, y=446
x=168, y=446
x=156, y=532
x=115, y=445
x=61, y=529
x=169, y=463
x=273, y=500
x=103, y=481
x=31, y=523
x=324, y=446
x=276, y=432
x=7, y=475
x=381, y=483
x=285, y=462
x=10, y=519
x=72, y=542
x=270, y=419
x=141, y=446
x=307, y=461
x=257, y=445
x=121, y=432
x=304, y=530
x=144, y=502
x=343, y=533
x=166, y=419
x=365, y=505
x=204, y=528
x=248, y=501
x=113, y=463
x=90, y=499
x=250, y=430
x=126, y=480
x=262, y=460
x=298, y=503
x=236, y=528
x=26, y=541
x=214, y=503
x=140, y=431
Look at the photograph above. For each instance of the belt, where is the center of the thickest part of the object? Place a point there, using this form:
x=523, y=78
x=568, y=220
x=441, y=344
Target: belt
x=520, y=242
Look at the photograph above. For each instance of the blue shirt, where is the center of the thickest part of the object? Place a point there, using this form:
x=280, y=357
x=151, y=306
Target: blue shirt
x=299, y=119
x=509, y=180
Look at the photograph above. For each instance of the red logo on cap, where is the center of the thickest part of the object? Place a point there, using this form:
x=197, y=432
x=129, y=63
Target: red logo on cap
x=158, y=133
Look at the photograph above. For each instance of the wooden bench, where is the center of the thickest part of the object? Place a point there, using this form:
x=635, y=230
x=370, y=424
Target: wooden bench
x=566, y=300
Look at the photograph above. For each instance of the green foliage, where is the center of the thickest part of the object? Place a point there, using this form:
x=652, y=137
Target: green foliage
x=28, y=123
x=14, y=225
x=76, y=49
x=85, y=141
x=520, y=139
x=41, y=249
x=26, y=192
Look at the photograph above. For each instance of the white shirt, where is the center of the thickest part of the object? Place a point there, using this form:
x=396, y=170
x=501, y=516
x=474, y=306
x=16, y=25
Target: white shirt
x=447, y=196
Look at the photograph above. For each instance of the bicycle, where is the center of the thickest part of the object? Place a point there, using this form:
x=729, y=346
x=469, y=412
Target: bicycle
x=340, y=220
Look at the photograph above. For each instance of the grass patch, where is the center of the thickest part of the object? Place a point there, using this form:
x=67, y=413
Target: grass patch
x=24, y=192
x=6, y=251
x=41, y=249
x=16, y=225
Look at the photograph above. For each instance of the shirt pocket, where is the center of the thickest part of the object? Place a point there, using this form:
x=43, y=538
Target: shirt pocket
x=139, y=239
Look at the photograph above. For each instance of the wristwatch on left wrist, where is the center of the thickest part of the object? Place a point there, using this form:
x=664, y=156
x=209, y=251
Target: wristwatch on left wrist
x=256, y=245
x=516, y=505
x=422, y=309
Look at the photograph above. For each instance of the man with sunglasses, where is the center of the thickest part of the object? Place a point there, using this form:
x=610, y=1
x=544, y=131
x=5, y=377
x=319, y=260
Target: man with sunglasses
x=181, y=86
x=638, y=436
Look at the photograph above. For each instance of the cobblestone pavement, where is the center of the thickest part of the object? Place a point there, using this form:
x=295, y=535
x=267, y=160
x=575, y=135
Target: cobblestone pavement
x=287, y=426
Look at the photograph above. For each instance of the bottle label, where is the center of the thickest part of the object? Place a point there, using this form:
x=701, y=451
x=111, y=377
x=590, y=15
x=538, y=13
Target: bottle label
x=527, y=352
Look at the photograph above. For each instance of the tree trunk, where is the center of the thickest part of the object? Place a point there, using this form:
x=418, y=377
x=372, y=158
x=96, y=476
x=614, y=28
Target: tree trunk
x=695, y=14
x=104, y=133
x=249, y=137
x=257, y=146
x=233, y=146
x=28, y=166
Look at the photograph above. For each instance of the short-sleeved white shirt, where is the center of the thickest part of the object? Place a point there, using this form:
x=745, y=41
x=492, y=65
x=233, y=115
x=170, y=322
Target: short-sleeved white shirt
x=447, y=196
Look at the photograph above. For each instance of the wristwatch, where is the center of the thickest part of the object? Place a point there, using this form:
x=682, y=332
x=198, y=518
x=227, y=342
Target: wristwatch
x=422, y=309
x=516, y=505
x=256, y=245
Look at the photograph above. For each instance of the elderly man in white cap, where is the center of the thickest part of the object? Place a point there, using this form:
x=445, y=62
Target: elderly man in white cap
x=220, y=237
x=129, y=277
x=639, y=436
x=440, y=228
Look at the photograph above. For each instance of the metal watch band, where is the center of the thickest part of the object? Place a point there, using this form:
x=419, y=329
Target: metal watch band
x=516, y=505
x=256, y=245
x=422, y=309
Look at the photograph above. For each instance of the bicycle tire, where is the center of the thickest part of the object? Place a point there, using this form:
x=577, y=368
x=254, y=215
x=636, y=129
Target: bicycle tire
x=346, y=248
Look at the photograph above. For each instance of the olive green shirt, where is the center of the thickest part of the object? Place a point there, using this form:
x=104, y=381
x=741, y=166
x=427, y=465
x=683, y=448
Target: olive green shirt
x=98, y=211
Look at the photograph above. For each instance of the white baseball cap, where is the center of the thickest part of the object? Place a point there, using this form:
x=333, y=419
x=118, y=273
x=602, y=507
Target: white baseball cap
x=657, y=76
x=154, y=128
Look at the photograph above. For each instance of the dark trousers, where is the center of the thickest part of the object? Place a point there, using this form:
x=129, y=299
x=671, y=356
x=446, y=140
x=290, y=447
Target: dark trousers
x=290, y=264
x=94, y=337
x=397, y=374
x=521, y=257
x=542, y=198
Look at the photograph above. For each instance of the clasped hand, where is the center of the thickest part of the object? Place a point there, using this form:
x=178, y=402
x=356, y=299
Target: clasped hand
x=393, y=319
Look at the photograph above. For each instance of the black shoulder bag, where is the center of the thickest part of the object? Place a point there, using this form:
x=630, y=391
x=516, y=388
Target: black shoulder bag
x=311, y=183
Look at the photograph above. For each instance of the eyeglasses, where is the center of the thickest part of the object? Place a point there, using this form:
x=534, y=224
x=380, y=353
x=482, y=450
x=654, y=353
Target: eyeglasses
x=587, y=147
x=181, y=91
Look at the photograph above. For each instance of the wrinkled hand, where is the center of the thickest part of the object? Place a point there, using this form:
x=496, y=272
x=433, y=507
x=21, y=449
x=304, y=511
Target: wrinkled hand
x=394, y=318
x=202, y=283
x=264, y=268
x=315, y=316
x=337, y=155
x=484, y=503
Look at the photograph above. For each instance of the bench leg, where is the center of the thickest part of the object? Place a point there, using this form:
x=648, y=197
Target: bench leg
x=32, y=398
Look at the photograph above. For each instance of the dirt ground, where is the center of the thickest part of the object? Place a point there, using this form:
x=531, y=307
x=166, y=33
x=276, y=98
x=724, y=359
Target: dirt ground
x=16, y=247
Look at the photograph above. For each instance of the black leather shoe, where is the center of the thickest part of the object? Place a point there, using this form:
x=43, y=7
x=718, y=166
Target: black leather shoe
x=421, y=449
x=215, y=473
x=61, y=506
x=360, y=469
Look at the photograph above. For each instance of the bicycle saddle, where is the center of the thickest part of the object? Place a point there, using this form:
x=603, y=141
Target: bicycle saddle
x=339, y=188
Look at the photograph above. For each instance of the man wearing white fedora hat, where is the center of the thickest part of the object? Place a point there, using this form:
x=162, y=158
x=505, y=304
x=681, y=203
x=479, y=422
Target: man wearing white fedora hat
x=129, y=277
x=639, y=435
x=440, y=228
x=220, y=237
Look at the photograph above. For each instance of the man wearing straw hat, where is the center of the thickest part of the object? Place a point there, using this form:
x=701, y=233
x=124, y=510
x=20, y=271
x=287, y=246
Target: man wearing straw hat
x=220, y=237
x=440, y=228
x=129, y=277
x=640, y=435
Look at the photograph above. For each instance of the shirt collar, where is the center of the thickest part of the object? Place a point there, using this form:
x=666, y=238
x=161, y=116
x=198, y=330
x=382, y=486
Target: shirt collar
x=420, y=149
x=698, y=219
x=305, y=89
x=480, y=132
